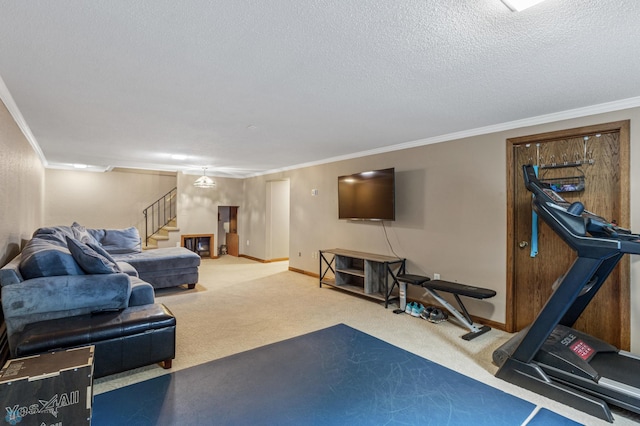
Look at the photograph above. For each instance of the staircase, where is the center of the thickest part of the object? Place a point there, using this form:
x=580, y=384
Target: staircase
x=162, y=234
x=160, y=220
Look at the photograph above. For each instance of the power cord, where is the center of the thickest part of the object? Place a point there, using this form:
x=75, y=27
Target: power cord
x=389, y=242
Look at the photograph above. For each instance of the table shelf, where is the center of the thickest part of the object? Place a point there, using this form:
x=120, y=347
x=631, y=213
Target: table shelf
x=360, y=273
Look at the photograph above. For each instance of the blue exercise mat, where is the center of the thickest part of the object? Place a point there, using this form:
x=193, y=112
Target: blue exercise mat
x=335, y=376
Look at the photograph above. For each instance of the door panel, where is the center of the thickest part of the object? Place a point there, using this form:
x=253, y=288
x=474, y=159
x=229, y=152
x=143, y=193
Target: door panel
x=533, y=277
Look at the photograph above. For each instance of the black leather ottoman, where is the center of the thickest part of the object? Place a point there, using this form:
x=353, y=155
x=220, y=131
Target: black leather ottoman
x=126, y=339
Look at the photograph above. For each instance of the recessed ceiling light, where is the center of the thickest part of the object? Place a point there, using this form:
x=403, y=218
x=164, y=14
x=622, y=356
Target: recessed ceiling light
x=80, y=166
x=178, y=157
x=519, y=5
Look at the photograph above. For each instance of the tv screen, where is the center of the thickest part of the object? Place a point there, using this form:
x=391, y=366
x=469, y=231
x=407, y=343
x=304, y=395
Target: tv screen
x=367, y=195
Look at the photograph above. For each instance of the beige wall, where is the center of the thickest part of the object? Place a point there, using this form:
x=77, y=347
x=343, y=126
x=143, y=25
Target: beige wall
x=450, y=211
x=112, y=199
x=277, y=220
x=451, y=206
x=198, y=207
x=21, y=188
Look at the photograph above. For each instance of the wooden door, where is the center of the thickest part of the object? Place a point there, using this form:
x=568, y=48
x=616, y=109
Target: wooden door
x=605, y=193
x=233, y=244
x=233, y=219
x=233, y=239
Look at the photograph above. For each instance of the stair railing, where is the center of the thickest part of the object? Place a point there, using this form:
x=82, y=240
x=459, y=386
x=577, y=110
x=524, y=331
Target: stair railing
x=159, y=213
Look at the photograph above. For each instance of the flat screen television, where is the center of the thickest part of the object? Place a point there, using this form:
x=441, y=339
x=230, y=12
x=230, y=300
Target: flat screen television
x=367, y=195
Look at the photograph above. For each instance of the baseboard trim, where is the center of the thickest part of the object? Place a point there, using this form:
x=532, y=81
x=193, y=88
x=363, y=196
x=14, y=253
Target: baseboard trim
x=246, y=256
x=303, y=272
x=281, y=259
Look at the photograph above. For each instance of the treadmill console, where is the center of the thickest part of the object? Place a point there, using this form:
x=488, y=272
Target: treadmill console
x=573, y=218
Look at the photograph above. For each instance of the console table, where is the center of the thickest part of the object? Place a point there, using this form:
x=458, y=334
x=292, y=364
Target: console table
x=365, y=274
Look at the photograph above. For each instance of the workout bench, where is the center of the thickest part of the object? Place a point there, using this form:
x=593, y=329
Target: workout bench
x=430, y=286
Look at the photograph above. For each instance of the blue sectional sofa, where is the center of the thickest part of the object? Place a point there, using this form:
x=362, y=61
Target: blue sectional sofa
x=71, y=286
x=162, y=267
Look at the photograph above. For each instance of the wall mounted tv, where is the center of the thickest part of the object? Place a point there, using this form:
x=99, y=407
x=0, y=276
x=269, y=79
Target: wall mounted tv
x=367, y=196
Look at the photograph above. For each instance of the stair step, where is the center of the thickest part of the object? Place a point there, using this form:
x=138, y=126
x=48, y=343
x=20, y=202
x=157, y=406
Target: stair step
x=159, y=237
x=149, y=246
x=171, y=228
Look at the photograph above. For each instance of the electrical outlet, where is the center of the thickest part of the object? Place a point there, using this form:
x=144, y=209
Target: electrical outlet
x=247, y=242
x=299, y=254
x=436, y=276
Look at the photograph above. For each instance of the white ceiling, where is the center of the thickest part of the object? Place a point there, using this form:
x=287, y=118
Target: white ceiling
x=249, y=86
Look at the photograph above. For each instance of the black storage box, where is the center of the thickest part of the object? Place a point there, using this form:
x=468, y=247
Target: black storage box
x=52, y=389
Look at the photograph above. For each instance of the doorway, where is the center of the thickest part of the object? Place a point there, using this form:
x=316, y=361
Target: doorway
x=587, y=164
x=277, y=220
x=228, y=239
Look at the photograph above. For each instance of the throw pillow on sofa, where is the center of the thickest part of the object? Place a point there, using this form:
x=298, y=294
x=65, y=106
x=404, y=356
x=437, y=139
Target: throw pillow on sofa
x=89, y=260
x=80, y=233
x=101, y=251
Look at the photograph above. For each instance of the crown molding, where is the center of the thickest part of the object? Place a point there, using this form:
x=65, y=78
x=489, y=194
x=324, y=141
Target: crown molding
x=13, y=109
x=494, y=128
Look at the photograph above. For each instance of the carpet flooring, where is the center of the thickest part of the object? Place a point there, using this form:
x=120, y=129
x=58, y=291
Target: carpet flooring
x=334, y=376
x=239, y=305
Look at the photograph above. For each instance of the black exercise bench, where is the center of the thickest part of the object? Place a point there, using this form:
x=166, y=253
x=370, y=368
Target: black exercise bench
x=433, y=286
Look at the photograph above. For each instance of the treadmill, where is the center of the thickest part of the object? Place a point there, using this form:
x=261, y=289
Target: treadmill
x=549, y=357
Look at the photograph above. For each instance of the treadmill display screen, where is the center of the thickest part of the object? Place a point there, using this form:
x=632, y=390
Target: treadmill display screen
x=580, y=348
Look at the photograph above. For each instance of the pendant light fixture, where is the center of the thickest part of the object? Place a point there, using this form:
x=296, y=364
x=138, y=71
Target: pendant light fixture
x=204, y=181
x=520, y=5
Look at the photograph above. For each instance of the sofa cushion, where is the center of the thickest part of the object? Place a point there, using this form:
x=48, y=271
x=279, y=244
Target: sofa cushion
x=54, y=234
x=81, y=233
x=44, y=258
x=161, y=259
x=10, y=273
x=89, y=260
x=41, y=299
x=118, y=241
x=141, y=292
x=127, y=268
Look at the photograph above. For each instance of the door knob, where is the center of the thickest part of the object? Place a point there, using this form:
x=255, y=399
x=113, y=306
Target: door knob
x=523, y=244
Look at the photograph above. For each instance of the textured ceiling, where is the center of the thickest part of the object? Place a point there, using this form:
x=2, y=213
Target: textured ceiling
x=245, y=87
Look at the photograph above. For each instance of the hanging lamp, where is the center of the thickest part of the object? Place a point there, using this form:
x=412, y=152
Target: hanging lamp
x=520, y=5
x=204, y=181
